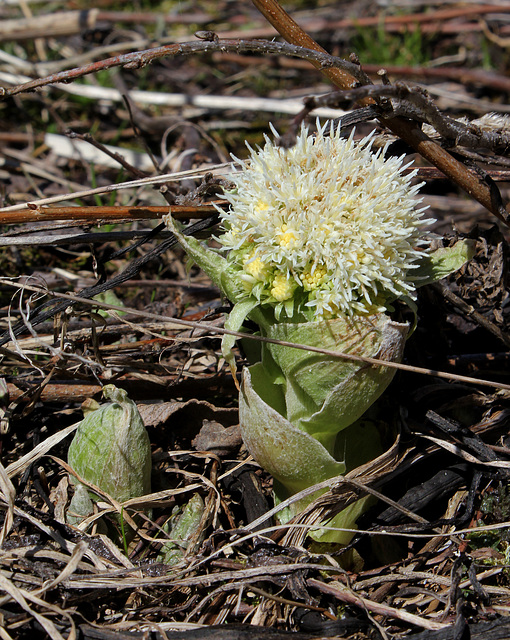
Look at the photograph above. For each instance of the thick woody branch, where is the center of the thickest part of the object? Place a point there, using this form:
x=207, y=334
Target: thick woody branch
x=410, y=132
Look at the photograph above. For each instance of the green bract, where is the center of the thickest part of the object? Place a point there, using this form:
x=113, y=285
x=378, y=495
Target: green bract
x=181, y=529
x=320, y=240
x=111, y=450
x=324, y=394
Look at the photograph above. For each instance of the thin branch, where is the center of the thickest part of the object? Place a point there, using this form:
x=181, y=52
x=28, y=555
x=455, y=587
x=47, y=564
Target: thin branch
x=107, y=214
x=52, y=240
x=460, y=74
x=472, y=314
x=130, y=184
x=87, y=137
x=344, y=594
x=140, y=59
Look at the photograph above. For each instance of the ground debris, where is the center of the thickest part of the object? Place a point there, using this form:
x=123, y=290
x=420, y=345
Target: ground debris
x=430, y=559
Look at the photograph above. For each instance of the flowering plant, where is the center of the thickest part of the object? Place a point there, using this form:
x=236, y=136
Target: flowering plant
x=320, y=239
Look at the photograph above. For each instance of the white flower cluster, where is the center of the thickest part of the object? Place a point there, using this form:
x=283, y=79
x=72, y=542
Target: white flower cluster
x=326, y=227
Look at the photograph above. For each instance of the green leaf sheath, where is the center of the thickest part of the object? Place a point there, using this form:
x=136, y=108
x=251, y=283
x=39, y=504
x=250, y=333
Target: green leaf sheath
x=216, y=266
x=292, y=456
x=325, y=394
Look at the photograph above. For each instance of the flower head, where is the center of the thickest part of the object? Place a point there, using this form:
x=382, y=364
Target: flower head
x=327, y=225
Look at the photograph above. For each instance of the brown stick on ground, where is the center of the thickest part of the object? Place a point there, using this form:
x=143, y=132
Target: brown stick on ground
x=408, y=131
x=104, y=214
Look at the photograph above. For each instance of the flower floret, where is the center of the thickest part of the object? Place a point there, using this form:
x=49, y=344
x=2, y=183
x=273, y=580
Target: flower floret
x=286, y=237
x=282, y=287
x=313, y=276
x=255, y=267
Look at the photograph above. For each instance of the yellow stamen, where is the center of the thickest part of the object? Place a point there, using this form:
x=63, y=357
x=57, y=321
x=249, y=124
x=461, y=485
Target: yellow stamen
x=313, y=280
x=282, y=288
x=261, y=206
x=286, y=237
x=256, y=268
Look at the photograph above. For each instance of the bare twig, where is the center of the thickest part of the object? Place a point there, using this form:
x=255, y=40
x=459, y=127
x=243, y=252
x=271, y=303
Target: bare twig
x=471, y=313
x=463, y=75
x=101, y=215
x=140, y=59
x=166, y=177
x=344, y=594
x=87, y=137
